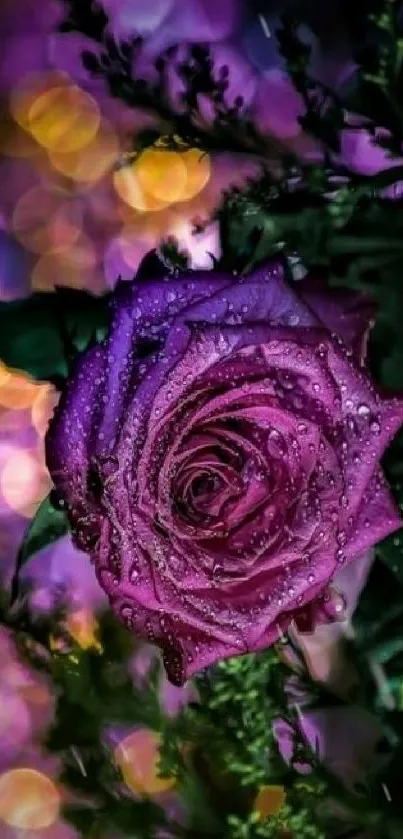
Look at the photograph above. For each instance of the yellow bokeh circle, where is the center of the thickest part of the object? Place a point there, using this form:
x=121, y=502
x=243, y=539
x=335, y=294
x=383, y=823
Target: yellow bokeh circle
x=29, y=800
x=90, y=164
x=198, y=170
x=131, y=192
x=162, y=174
x=64, y=119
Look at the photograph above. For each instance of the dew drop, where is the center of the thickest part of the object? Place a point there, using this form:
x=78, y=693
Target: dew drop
x=217, y=571
x=133, y=574
x=341, y=537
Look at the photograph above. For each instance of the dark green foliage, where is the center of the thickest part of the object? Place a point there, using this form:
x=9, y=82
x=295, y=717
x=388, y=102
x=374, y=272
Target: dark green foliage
x=43, y=334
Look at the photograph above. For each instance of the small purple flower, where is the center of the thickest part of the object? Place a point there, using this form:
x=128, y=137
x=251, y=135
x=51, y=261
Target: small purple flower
x=61, y=571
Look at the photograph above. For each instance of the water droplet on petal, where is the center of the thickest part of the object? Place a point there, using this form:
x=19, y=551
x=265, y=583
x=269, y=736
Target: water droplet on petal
x=335, y=604
x=341, y=537
x=133, y=574
x=217, y=571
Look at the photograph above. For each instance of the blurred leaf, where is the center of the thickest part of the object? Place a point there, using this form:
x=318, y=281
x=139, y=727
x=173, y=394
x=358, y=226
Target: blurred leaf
x=392, y=369
x=43, y=334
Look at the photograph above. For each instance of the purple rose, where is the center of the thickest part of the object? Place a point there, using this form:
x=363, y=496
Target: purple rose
x=218, y=455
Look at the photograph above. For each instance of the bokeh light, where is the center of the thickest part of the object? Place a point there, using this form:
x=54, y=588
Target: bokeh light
x=269, y=801
x=24, y=481
x=137, y=757
x=24, y=95
x=83, y=627
x=64, y=119
x=162, y=174
x=90, y=164
x=132, y=193
x=73, y=267
x=15, y=142
x=159, y=177
x=29, y=800
x=43, y=408
x=17, y=391
x=45, y=221
x=198, y=170
x=5, y=374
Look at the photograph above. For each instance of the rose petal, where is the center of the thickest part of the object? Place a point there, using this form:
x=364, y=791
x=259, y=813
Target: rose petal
x=348, y=314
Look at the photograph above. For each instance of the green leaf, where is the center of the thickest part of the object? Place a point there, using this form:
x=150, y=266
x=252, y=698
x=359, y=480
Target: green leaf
x=392, y=369
x=391, y=554
x=48, y=525
x=42, y=334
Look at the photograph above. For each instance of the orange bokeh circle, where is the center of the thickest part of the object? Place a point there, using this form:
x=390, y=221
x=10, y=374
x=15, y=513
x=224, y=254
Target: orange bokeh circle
x=137, y=757
x=64, y=119
x=29, y=800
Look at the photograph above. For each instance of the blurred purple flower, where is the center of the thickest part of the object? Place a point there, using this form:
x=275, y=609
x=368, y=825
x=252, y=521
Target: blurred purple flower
x=62, y=570
x=24, y=45
x=360, y=150
x=172, y=698
x=344, y=738
x=196, y=22
x=15, y=724
x=26, y=703
x=143, y=17
x=277, y=106
x=324, y=650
